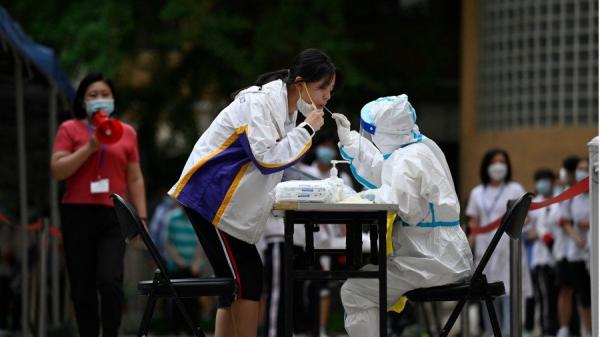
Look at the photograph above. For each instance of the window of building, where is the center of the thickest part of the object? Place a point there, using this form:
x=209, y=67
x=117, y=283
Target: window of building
x=537, y=63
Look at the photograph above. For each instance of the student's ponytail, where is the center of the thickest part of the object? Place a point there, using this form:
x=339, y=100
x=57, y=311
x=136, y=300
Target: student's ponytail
x=282, y=74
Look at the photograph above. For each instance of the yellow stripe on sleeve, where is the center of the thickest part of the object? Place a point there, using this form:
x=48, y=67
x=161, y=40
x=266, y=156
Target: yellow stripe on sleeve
x=229, y=194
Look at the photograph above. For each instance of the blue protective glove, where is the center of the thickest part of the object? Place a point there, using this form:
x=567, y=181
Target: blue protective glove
x=367, y=194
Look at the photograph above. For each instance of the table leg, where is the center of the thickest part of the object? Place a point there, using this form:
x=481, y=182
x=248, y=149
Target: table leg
x=309, y=240
x=312, y=264
x=288, y=265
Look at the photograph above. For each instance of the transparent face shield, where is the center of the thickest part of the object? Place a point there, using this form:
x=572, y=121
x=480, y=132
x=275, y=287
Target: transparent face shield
x=367, y=132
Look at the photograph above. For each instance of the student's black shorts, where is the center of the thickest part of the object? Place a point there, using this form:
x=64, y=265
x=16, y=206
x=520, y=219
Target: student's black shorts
x=230, y=257
x=582, y=285
x=565, y=279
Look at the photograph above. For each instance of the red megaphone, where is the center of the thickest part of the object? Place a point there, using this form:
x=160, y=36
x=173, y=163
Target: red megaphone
x=108, y=130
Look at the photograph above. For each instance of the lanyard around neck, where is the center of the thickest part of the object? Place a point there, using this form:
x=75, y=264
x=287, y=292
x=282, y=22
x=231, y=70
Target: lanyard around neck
x=488, y=210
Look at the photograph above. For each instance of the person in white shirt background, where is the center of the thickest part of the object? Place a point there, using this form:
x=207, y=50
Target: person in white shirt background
x=566, y=316
x=487, y=202
x=540, y=229
x=575, y=222
x=325, y=150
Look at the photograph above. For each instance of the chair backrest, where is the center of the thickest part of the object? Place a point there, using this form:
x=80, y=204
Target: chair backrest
x=511, y=224
x=131, y=225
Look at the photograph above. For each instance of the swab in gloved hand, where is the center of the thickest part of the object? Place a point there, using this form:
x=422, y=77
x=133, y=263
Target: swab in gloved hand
x=343, y=128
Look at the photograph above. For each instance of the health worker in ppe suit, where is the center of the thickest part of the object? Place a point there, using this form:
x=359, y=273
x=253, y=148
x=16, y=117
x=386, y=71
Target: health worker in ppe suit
x=401, y=166
x=238, y=160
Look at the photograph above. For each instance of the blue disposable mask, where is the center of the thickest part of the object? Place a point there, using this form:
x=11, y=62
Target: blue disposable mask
x=325, y=154
x=543, y=186
x=557, y=190
x=105, y=104
x=580, y=175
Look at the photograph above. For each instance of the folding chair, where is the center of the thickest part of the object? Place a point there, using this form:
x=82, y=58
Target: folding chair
x=161, y=286
x=478, y=288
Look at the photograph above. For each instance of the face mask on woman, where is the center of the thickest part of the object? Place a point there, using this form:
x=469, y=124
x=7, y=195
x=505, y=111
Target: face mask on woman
x=497, y=171
x=543, y=186
x=302, y=106
x=105, y=104
x=325, y=154
x=580, y=174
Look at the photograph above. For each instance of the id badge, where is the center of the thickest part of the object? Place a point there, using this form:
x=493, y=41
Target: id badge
x=99, y=186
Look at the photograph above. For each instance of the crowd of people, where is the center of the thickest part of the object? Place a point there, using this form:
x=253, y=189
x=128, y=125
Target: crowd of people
x=556, y=239
x=216, y=219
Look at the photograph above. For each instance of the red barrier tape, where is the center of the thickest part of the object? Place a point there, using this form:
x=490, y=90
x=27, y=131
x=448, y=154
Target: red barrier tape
x=34, y=226
x=4, y=219
x=579, y=188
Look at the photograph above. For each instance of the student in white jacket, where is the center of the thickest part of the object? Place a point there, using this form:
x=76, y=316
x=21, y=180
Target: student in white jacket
x=225, y=184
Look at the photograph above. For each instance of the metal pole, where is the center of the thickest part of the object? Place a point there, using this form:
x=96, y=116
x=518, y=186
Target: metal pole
x=54, y=212
x=65, y=303
x=43, y=245
x=594, y=230
x=515, y=288
x=23, y=209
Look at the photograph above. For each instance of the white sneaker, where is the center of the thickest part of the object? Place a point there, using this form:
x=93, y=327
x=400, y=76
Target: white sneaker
x=563, y=332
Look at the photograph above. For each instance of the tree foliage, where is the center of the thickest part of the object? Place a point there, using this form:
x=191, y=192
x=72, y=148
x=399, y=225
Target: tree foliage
x=176, y=61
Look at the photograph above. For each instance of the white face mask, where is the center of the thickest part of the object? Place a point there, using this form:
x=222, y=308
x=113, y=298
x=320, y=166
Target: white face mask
x=105, y=104
x=302, y=106
x=497, y=171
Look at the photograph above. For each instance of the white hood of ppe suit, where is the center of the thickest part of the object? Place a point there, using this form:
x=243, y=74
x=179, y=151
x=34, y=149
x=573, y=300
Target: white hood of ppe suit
x=391, y=121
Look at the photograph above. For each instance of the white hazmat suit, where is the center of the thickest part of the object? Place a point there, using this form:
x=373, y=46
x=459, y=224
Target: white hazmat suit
x=403, y=167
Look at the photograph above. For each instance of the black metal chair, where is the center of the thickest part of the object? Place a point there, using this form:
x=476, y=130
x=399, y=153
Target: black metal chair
x=478, y=288
x=161, y=286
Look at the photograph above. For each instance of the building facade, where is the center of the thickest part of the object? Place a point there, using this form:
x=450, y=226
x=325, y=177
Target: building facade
x=529, y=83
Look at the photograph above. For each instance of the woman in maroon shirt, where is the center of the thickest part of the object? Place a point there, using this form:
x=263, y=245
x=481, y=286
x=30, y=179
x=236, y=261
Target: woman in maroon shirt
x=94, y=248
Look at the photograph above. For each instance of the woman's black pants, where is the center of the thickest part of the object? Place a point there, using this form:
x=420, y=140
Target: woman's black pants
x=94, y=252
